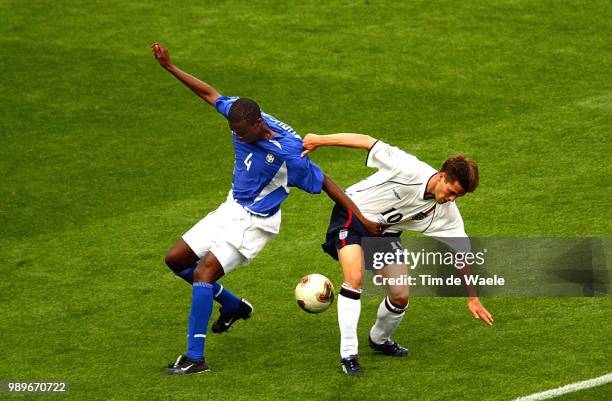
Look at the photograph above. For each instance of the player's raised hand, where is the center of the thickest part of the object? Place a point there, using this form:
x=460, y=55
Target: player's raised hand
x=161, y=54
x=479, y=311
x=309, y=143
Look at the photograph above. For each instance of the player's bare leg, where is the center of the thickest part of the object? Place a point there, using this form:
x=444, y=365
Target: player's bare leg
x=349, y=306
x=181, y=257
x=390, y=313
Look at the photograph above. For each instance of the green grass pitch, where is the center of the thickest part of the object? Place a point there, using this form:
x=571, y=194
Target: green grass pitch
x=105, y=160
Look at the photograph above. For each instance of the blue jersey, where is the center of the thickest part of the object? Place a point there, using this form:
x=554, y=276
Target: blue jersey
x=264, y=170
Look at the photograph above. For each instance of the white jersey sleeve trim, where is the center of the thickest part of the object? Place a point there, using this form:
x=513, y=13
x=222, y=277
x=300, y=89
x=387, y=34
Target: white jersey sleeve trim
x=371, y=160
x=370, y=152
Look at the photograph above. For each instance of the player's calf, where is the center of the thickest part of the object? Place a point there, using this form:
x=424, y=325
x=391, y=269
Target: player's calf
x=388, y=317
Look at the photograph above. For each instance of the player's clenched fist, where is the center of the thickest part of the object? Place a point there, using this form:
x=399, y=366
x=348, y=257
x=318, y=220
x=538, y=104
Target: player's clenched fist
x=161, y=54
x=309, y=143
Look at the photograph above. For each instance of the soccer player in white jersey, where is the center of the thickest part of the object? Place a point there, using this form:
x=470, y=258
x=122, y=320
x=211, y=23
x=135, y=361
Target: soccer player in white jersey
x=404, y=194
x=267, y=162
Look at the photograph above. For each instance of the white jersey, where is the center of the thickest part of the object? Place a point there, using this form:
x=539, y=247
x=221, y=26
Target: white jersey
x=395, y=195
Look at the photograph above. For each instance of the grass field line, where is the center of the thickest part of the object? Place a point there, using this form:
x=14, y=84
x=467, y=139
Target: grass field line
x=570, y=388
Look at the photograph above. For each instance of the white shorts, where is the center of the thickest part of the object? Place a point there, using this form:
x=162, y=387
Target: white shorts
x=232, y=234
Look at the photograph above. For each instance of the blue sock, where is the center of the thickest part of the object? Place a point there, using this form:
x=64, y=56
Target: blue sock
x=229, y=302
x=201, y=308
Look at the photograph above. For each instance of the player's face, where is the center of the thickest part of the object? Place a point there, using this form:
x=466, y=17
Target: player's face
x=247, y=131
x=447, y=191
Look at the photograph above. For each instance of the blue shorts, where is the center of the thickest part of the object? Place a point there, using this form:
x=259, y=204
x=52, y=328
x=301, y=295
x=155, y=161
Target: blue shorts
x=345, y=229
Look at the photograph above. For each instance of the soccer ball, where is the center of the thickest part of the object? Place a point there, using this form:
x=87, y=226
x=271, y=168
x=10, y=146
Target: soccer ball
x=314, y=293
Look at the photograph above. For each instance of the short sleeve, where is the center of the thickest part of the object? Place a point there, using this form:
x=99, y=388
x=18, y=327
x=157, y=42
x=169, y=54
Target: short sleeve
x=223, y=104
x=304, y=174
x=386, y=157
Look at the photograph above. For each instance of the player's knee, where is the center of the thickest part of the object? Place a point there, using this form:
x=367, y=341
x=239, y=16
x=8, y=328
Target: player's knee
x=180, y=257
x=400, y=300
x=200, y=275
x=355, y=280
x=171, y=261
x=206, y=273
x=175, y=262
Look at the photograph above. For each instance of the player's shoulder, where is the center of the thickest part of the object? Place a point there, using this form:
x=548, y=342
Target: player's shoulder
x=279, y=126
x=385, y=152
x=284, y=134
x=447, y=219
x=447, y=227
x=223, y=104
x=283, y=145
x=226, y=99
x=403, y=163
x=450, y=209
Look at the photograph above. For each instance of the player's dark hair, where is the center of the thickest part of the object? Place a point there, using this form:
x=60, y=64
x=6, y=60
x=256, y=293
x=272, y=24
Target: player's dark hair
x=242, y=109
x=462, y=169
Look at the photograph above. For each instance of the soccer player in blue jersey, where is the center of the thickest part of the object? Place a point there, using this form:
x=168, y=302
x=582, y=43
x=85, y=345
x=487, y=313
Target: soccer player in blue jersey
x=267, y=162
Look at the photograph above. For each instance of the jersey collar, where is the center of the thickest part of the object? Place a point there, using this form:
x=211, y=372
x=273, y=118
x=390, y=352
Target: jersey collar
x=424, y=187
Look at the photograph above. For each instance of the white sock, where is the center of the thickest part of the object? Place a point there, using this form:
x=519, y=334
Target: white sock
x=388, y=318
x=349, y=308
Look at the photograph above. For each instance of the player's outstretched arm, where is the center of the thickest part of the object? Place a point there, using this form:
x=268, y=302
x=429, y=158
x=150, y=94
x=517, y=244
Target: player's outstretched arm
x=341, y=198
x=474, y=305
x=202, y=89
x=347, y=140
